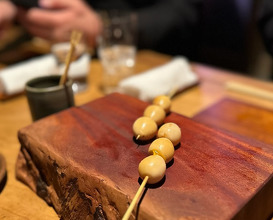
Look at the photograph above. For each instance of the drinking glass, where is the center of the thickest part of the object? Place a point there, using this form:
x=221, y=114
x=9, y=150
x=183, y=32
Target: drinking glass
x=117, y=48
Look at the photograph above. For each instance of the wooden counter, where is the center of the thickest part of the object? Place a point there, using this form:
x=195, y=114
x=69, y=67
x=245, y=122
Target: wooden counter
x=17, y=201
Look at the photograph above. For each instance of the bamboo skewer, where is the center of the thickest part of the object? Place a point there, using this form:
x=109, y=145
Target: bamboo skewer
x=133, y=203
x=74, y=40
x=172, y=92
x=137, y=137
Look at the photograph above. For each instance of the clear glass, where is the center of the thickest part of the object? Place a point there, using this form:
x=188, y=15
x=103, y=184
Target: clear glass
x=117, y=48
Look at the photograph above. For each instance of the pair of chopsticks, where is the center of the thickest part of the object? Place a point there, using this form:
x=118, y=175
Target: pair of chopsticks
x=249, y=90
x=74, y=40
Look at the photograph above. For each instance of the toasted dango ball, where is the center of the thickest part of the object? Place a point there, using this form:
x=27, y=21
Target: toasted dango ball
x=171, y=131
x=163, y=101
x=152, y=166
x=144, y=128
x=163, y=147
x=156, y=113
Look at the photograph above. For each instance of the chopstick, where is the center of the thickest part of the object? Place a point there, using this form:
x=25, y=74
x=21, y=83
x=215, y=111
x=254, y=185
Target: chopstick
x=249, y=90
x=74, y=40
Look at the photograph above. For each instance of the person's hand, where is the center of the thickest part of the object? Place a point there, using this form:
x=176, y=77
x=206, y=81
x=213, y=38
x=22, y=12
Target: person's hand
x=56, y=19
x=7, y=14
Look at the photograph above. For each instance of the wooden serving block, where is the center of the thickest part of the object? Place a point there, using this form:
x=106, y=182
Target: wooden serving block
x=241, y=118
x=3, y=172
x=84, y=162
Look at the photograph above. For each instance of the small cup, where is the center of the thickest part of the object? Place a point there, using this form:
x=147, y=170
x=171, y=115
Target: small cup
x=117, y=48
x=45, y=96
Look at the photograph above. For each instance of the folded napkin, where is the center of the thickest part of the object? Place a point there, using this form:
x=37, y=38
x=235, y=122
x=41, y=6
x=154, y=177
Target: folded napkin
x=174, y=76
x=14, y=78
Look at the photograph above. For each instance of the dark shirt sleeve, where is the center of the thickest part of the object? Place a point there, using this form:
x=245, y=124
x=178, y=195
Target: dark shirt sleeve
x=265, y=24
x=169, y=26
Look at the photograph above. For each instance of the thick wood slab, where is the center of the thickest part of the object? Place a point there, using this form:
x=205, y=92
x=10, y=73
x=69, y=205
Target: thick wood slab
x=241, y=118
x=84, y=162
x=3, y=172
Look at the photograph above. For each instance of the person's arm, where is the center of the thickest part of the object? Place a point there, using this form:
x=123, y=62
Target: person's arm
x=55, y=20
x=7, y=14
x=169, y=26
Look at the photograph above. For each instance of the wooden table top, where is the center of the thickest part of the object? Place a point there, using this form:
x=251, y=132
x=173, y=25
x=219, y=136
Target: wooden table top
x=17, y=201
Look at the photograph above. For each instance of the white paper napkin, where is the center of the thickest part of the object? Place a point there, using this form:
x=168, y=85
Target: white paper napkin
x=176, y=75
x=14, y=78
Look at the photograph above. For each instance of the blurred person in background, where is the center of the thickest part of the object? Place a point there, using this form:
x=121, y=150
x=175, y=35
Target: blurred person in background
x=7, y=13
x=169, y=27
x=265, y=24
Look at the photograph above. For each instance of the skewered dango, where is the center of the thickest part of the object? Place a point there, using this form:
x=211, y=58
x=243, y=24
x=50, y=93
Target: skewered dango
x=162, y=151
x=156, y=113
x=163, y=147
x=171, y=131
x=152, y=168
x=144, y=128
x=163, y=101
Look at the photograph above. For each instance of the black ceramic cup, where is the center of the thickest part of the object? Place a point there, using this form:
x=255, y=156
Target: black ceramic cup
x=45, y=96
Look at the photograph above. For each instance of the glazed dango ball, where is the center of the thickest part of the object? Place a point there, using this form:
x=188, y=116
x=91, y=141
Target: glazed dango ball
x=171, y=131
x=163, y=147
x=163, y=101
x=152, y=166
x=156, y=113
x=144, y=128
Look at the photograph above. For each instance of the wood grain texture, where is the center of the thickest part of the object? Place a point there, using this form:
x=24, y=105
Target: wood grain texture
x=83, y=161
x=241, y=118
